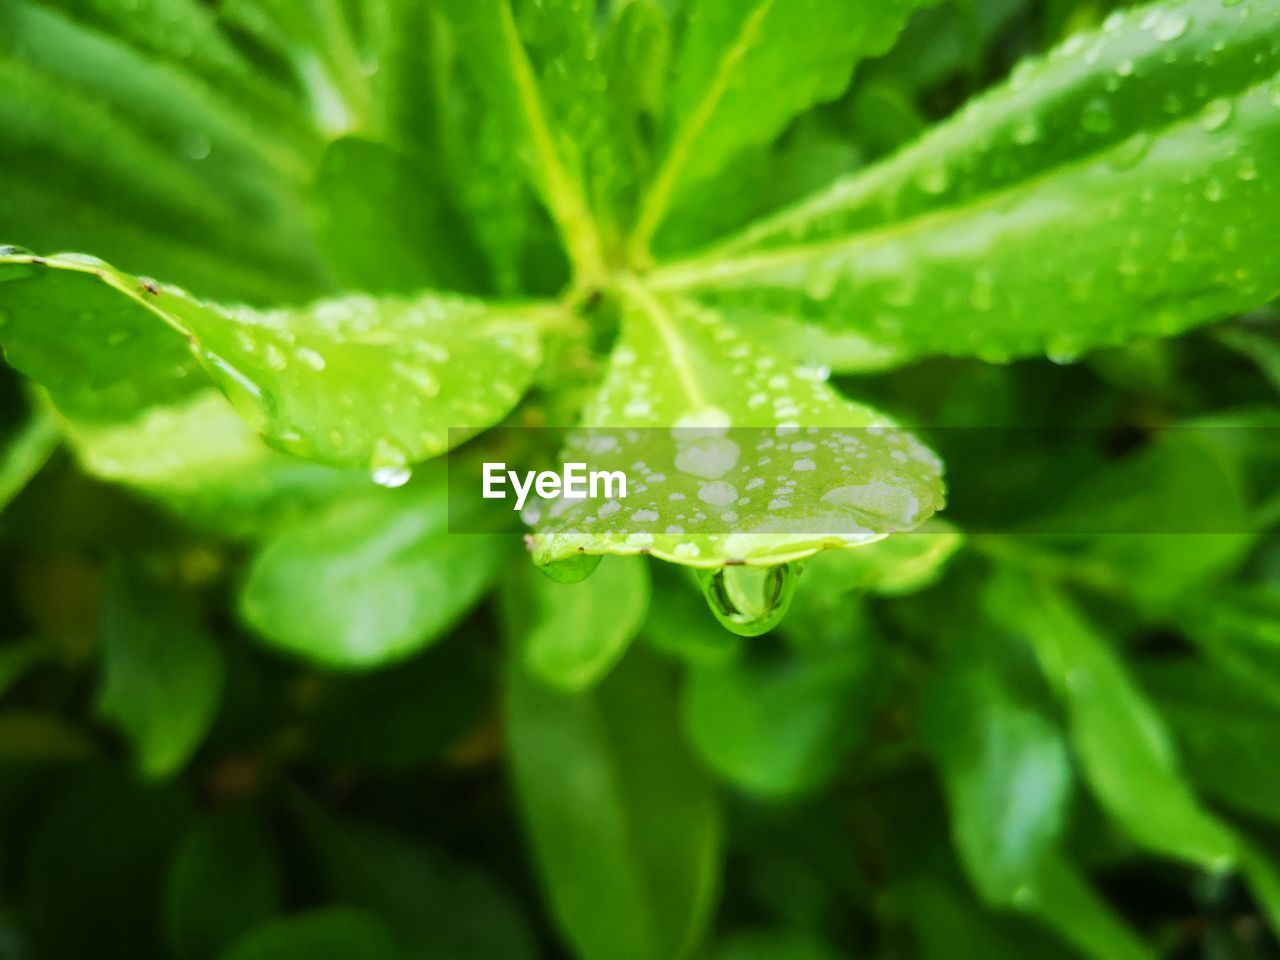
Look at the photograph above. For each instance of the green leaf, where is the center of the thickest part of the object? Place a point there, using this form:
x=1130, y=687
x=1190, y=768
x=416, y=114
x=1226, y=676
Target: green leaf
x=537, y=67
x=224, y=151
x=773, y=945
x=162, y=673
x=578, y=631
x=384, y=227
x=624, y=828
x=1126, y=754
x=199, y=458
x=1070, y=906
x=435, y=905
x=25, y=453
x=225, y=880
x=1226, y=734
x=331, y=933
x=996, y=753
x=744, y=70
x=678, y=625
x=680, y=366
x=355, y=381
x=1166, y=520
x=778, y=726
x=1119, y=139
x=370, y=580
x=895, y=566
x=1238, y=629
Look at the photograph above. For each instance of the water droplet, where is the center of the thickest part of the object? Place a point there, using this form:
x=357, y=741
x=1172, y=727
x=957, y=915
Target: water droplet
x=1026, y=130
x=1171, y=26
x=1130, y=153
x=1215, y=114
x=312, y=359
x=392, y=477
x=196, y=146
x=573, y=569
x=1125, y=68
x=274, y=357
x=1096, y=117
x=934, y=179
x=1213, y=189
x=1248, y=169
x=749, y=600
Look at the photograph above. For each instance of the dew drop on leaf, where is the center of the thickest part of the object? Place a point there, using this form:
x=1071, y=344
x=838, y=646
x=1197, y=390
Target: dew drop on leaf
x=1215, y=114
x=1171, y=26
x=1026, y=130
x=1096, y=117
x=749, y=600
x=934, y=179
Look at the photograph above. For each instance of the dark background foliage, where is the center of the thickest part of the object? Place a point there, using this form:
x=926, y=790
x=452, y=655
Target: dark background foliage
x=991, y=746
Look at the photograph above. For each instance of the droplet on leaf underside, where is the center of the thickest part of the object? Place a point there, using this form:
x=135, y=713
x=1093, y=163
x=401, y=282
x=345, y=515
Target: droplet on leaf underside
x=749, y=600
x=572, y=569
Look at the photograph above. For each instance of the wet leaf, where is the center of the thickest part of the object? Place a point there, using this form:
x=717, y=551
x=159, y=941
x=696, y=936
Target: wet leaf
x=537, y=66
x=580, y=630
x=717, y=435
x=369, y=581
x=744, y=70
x=624, y=827
x=355, y=381
x=954, y=245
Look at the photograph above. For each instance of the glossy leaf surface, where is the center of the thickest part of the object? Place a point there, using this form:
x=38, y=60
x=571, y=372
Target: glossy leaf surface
x=954, y=245
x=745, y=69
x=369, y=581
x=580, y=630
x=680, y=381
x=624, y=827
x=356, y=381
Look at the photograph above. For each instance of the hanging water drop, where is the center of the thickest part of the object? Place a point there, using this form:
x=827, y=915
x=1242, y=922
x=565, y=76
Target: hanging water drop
x=749, y=600
x=392, y=477
x=573, y=569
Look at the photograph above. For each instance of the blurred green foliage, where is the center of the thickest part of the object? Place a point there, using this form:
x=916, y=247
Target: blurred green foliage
x=258, y=703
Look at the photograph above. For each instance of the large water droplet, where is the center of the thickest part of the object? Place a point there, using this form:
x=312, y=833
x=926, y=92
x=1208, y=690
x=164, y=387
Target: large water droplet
x=392, y=477
x=1171, y=26
x=749, y=600
x=1215, y=114
x=1130, y=153
x=573, y=569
